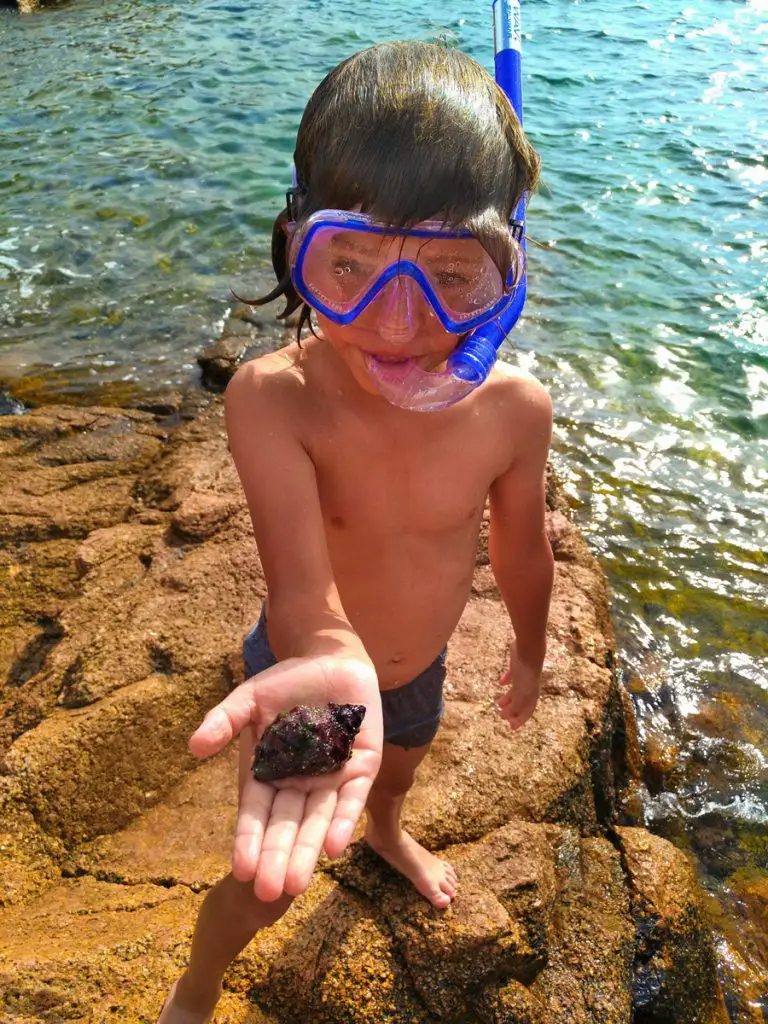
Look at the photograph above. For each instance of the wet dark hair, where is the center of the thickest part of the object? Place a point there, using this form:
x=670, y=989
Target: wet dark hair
x=409, y=131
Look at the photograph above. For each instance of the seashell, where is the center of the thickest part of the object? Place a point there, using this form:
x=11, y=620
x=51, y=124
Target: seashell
x=307, y=740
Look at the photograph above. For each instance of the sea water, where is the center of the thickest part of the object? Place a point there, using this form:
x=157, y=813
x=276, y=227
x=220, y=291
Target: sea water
x=146, y=148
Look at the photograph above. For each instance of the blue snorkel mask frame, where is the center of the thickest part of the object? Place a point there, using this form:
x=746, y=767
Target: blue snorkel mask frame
x=361, y=223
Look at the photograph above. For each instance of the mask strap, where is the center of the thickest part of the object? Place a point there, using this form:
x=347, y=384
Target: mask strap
x=294, y=198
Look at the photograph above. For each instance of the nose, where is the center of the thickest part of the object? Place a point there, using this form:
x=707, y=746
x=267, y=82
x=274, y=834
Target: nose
x=398, y=310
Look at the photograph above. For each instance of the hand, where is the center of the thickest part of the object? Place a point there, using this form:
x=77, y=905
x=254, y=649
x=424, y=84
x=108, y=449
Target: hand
x=283, y=825
x=519, y=702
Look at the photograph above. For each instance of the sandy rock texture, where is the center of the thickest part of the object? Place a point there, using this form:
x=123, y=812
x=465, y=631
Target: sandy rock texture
x=130, y=576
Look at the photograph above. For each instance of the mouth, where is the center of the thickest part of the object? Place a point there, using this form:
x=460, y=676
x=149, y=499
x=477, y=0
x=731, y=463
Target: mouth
x=394, y=369
x=395, y=360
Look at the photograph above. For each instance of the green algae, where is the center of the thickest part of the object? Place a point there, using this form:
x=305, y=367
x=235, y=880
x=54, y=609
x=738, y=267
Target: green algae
x=77, y=388
x=137, y=219
x=754, y=843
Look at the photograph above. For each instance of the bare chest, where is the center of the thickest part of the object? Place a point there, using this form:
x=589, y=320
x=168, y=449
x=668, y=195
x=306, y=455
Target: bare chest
x=383, y=484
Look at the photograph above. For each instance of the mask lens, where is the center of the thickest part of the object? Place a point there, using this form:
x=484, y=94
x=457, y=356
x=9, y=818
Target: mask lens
x=341, y=265
x=463, y=275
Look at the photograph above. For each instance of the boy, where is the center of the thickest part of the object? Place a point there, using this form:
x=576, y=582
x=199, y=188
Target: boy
x=367, y=514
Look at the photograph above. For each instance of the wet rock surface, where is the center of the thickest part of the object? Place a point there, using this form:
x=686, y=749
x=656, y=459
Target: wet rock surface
x=244, y=334
x=670, y=926
x=130, y=578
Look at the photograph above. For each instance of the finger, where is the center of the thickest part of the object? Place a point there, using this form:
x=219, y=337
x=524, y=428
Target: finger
x=224, y=722
x=287, y=814
x=252, y=817
x=351, y=801
x=506, y=713
x=318, y=814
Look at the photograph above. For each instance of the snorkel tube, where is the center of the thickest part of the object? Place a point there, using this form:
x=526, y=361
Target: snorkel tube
x=418, y=390
x=473, y=360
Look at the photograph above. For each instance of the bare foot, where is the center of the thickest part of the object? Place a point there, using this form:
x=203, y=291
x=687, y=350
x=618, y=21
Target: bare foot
x=181, y=1009
x=432, y=877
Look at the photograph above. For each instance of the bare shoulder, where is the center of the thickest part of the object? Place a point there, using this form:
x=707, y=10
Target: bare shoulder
x=272, y=381
x=280, y=369
x=517, y=393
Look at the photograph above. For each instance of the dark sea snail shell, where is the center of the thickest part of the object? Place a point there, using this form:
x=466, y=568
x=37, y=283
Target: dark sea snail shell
x=307, y=741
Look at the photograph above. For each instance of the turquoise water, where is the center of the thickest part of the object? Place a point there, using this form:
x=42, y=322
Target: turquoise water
x=146, y=147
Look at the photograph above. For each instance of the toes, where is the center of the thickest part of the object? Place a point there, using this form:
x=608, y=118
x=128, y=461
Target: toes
x=440, y=899
x=448, y=887
x=450, y=871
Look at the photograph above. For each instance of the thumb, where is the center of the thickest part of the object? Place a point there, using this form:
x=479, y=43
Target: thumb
x=225, y=721
x=245, y=705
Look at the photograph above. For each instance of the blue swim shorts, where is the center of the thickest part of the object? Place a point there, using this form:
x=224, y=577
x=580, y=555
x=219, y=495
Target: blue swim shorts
x=412, y=712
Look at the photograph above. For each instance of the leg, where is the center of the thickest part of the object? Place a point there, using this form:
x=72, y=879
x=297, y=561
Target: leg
x=432, y=877
x=229, y=918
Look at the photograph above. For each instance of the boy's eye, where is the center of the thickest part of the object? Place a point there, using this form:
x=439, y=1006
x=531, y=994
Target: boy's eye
x=452, y=279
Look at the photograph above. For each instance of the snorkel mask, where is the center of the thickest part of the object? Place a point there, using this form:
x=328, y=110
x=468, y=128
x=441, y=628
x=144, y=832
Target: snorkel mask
x=341, y=262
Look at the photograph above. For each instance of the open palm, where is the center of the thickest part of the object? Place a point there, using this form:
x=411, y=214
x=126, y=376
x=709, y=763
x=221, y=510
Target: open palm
x=283, y=825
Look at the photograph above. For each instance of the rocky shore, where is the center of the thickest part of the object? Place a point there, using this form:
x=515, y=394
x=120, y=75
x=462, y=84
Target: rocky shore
x=130, y=576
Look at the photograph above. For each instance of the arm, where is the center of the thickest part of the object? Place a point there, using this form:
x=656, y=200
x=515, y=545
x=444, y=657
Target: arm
x=520, y=553
x=282, y=825
x=305, y=613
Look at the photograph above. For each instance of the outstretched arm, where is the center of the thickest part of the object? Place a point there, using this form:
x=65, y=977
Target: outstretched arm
x=282, y=826
x=520, y=553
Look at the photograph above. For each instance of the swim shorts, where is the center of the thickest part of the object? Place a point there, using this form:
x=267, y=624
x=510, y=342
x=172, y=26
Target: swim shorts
x=412, y=712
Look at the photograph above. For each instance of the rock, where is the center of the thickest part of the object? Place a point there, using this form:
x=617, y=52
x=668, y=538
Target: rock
x=557, y=925
x=29, y=858
x=675, y=972
x=750, y=886
x=67, y=471
x=84, y=946
x=511, y=1004
x=164, y=404
x=742, y=938
x=220, y=360
x=184, y=839
x=132, y=576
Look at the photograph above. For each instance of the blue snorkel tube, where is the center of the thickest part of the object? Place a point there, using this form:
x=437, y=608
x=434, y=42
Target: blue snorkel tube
x=473, y=360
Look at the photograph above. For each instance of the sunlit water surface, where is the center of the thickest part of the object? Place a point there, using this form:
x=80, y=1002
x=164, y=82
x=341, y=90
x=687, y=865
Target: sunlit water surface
x=146, y=148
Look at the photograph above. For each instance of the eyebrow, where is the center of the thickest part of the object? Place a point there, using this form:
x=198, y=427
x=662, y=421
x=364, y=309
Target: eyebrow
x=346, y=244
